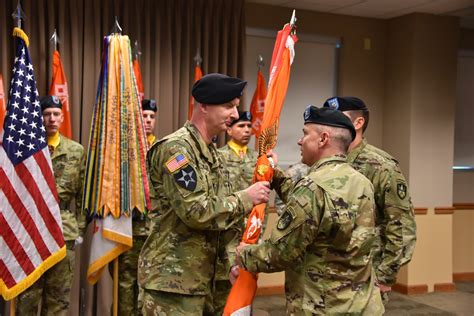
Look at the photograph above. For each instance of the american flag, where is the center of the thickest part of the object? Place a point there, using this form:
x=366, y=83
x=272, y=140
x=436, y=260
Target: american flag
x=31, y=230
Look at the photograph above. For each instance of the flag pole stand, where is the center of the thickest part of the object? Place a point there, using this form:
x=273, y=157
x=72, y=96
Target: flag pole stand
x=12, y=307
x=115, y=303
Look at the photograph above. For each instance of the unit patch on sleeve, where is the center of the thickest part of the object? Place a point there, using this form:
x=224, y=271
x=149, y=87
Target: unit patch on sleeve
x=186, y=178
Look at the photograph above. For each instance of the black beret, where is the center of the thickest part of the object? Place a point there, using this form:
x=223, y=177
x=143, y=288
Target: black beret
x=243, y=116
x=346, y=104
x=217, y=89
x=329, y=117
x=149, y=105
x=50, y=101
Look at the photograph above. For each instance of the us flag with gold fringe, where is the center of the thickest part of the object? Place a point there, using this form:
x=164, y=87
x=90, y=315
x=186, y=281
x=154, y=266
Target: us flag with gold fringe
x=31, y=231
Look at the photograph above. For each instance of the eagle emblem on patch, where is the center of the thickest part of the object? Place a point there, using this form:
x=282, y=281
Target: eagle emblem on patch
x=186, y=178
x=176, y=162
x=401, y=190
x=284, y=221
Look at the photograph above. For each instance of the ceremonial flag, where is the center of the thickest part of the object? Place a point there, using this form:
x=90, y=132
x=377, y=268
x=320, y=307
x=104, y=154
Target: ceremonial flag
x=243, y=291
x=59, y=88
x=197, y=76
x=31, y=230
x=115, y=181
x=257, y=106
x=3, y=103
x=138, y=77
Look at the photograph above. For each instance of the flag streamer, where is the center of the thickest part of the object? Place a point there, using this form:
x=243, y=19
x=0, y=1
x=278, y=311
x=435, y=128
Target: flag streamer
x=116, y=183
x=243, y=291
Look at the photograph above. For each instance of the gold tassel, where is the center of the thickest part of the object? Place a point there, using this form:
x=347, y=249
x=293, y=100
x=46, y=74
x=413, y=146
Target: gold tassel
x=19, y=32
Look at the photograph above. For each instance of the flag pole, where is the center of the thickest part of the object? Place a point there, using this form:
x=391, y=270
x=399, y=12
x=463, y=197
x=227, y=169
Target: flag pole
x=54, y=38
x=115, y=305
x=17, y=15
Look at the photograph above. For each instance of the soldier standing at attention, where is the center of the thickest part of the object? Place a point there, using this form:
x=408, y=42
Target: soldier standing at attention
x=128, y=299
x=327, y=229
x=240, y=159
x=177, y=264
x=54, y=287
x=394, y=214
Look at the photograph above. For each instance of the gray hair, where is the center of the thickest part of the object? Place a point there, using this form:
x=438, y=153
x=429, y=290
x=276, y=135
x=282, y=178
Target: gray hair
x=340, y=137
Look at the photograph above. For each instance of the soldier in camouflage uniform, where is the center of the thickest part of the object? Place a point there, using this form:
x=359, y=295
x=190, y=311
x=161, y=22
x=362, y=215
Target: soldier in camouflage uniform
x=394, y=216
x=296, y=172
x=177, y=264
x=239, y=163
x=128, y=262
x=54, y=287
x=327, y=229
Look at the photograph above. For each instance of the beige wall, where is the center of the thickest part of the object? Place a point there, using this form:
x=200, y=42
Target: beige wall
x=463, y=241
x=361, y=72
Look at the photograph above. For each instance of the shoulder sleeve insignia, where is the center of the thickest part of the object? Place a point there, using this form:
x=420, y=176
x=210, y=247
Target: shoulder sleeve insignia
x=176, y=162
x=285, y=220
x=401, y=190
x=186, y=178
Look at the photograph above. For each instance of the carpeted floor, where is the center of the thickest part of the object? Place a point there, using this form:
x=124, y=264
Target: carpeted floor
x=460, y=302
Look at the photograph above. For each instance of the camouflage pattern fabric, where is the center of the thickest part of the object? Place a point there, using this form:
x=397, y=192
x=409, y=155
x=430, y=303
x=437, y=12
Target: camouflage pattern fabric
x=296, y=172
x=326, y=231
x=394, y=215
x=53, y=288
x=167, y=303
x=240, y=169
x=181, y=254
x=68, y=166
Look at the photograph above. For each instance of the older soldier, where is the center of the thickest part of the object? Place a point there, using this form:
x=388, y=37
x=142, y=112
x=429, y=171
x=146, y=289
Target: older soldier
x=54, y=287
x=128, y=262
x=394, y=216
x=327, y=230
x=178, y=261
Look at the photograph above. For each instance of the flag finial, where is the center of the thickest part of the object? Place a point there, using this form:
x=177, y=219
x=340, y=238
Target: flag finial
x=260, y=62
x=116, y=29
x=55, y=39
x=136, y=50
x=198, y=58
x=293, y=22
x=18, y=15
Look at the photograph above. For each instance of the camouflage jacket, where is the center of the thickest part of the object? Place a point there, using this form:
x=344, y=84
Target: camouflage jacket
x=68, y=166
x=394, y=214
x=296, y=172
x=326, y=232
x=195, y=202
x=240, y=169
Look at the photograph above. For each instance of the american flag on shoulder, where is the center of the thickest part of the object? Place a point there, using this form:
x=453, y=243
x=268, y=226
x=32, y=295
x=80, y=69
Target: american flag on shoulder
x=31, y=231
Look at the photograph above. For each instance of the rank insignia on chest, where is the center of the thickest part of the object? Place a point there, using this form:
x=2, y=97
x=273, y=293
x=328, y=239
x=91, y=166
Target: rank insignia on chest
x=176, y=162
x=186, y=178
x=401, y=190
x=284, y=221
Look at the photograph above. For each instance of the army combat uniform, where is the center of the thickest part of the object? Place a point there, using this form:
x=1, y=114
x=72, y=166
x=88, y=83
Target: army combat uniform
x=177, y=264
x=394, y=215
x=296, y=172
x=326, y=232
x=55, y=285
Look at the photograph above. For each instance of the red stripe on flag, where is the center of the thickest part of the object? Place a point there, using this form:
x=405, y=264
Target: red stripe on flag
x=15, y=247
x=43, y=209
x=6, y=276
x=23, y=214
x=47, y=173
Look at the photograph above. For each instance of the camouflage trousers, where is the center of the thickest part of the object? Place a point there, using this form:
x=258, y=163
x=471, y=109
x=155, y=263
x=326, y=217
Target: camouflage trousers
x=53, y=289
x=215, y=302
x=128, y=290
x=165, y=303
